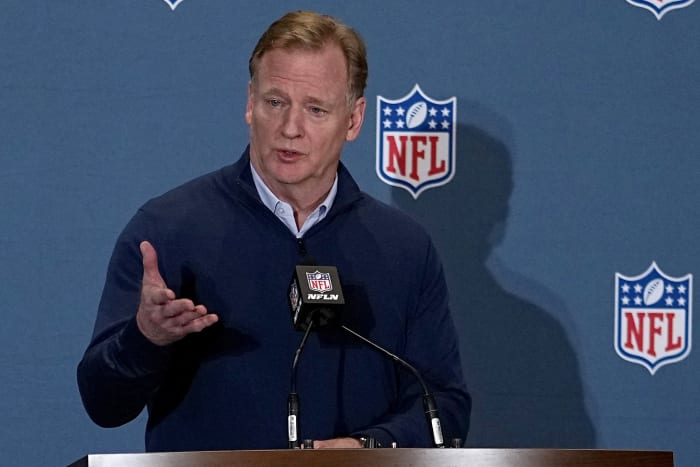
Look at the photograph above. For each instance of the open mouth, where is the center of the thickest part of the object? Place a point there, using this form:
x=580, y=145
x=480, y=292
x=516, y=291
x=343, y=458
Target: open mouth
x=288, y=154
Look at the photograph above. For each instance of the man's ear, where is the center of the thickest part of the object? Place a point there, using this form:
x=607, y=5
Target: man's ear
x=357, y=116
x=249, y=105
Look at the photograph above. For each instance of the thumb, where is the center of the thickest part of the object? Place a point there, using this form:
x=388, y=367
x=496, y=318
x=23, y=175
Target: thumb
x=151, y=274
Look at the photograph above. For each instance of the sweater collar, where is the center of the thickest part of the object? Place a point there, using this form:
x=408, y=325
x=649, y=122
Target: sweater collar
x=348, y=190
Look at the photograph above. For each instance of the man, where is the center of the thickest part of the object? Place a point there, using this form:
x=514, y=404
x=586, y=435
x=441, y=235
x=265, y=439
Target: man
x=194, y=319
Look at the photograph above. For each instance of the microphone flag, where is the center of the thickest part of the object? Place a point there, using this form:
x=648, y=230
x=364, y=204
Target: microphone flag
x=315, y=293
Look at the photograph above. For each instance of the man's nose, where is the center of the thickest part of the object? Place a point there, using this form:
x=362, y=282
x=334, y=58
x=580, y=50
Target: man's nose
x=293, y=124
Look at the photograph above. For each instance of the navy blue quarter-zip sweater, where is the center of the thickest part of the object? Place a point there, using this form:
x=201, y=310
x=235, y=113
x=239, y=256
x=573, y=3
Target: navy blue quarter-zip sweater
x=226, y=387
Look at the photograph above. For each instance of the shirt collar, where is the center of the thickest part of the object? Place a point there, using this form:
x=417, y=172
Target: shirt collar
x=273, y=203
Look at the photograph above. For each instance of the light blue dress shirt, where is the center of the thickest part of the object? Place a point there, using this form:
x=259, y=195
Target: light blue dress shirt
x=284, y=211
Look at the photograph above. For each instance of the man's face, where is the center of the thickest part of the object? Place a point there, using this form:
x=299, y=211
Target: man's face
x=299, y=119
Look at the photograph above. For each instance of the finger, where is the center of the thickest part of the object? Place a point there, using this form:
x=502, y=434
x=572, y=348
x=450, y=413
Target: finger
x=151, y=274
x=194, y=326
x=187, y=323
x=174, y=308
x=200, y=323
x=156, y=295
x=173, y=329
x=184, y=318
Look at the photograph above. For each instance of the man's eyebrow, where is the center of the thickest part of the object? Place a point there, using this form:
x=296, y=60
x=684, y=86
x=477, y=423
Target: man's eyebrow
x=313, y=100
x=273, y=91
x=318, y=101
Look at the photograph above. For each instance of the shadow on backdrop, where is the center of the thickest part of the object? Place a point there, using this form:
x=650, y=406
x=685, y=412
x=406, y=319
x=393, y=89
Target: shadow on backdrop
x=520, y=367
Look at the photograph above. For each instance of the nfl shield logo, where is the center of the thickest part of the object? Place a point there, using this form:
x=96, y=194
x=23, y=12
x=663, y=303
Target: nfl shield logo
x=653, y=317
x=319, y=281
x=660, y=7
x=416, y=141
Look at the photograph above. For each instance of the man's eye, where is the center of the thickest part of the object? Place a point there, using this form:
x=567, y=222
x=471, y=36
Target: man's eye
x=274, y=102
x=317, y=111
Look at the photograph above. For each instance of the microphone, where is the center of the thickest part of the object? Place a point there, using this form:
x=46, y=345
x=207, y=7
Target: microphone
x=293, y=398
x=315, y=296
x=429, y=405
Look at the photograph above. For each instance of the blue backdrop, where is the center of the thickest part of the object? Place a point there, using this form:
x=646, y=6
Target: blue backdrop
x=577, y=158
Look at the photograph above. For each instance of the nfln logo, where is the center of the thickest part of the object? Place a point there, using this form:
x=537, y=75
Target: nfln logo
x=653, y=318
x=416, y=141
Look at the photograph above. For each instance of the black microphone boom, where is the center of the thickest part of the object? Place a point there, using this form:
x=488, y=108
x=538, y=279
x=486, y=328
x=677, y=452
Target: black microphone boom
x=293, y=398
x=429, y=405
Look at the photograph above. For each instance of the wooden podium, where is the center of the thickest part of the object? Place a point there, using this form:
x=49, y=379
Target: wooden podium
x=387, y=457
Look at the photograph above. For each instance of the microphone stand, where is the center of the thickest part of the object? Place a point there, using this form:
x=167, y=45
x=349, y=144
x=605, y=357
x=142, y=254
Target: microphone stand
x=429, y=405
x=293, y=399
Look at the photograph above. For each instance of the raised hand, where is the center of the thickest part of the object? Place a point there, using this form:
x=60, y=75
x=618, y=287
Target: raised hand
x=162, y=317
